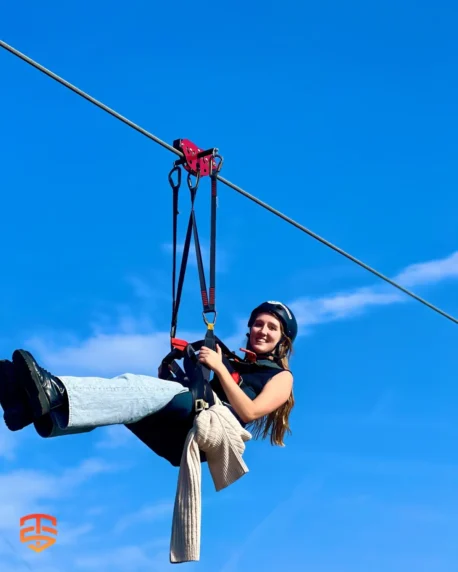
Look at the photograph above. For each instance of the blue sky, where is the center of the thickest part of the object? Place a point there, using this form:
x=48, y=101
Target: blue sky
x=342, y=116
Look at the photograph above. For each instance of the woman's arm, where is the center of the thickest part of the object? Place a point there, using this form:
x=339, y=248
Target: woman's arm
x=274, y=394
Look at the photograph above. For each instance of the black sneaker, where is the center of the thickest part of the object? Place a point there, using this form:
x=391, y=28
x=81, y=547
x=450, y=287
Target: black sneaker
x=44, y=391
x=16, y=411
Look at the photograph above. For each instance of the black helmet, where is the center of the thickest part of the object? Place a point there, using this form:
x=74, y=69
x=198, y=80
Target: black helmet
x=282, y=312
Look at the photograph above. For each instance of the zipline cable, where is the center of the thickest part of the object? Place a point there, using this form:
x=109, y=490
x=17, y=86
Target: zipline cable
x=224, y=181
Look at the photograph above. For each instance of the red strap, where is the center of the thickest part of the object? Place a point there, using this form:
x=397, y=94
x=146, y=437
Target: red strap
x=251, y=356
x=236, y=377
x=179, y=344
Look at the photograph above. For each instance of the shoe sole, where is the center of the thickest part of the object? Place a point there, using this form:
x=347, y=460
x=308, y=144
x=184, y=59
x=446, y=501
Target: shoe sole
x=18, y=418
x=16, y=414
x=29, y=380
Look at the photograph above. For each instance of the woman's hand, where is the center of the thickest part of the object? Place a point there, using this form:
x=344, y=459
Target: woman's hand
x=213, y=360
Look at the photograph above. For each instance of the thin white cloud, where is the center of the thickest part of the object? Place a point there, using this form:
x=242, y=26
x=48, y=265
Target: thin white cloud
x=105, y=354
x=24, y=491
x=148, y=513
x=429, y=273
x=313, y=311
x=343, y=305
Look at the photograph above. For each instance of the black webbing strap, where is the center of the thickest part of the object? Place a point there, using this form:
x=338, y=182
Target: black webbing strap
x=200, y=264
x=214, y=204
x=175, y=304
x=200, y=386
x=208, y=298
x=201, y=390
x=177, y=290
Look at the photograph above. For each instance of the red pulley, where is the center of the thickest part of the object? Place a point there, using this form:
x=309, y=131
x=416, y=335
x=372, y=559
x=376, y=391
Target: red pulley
x=195, y=159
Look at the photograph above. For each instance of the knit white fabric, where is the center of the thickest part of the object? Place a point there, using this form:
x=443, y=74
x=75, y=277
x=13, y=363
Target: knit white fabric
x=217, y=433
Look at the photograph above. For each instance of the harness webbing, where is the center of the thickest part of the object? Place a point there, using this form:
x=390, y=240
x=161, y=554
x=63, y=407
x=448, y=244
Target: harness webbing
x=198, y=163
x=208, y=297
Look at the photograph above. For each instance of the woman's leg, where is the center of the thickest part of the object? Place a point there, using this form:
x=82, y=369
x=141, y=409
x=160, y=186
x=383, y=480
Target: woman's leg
x=178, y=410
x=127, y=398
x=54, y=424
x=79, y=404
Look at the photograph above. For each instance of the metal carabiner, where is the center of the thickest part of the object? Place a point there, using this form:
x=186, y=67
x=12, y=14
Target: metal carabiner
x=219, y=165
x=210, y=325
x=193, y=188
x=172, y=184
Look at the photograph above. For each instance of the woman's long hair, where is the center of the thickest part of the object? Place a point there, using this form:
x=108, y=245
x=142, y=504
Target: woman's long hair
x=276, y=424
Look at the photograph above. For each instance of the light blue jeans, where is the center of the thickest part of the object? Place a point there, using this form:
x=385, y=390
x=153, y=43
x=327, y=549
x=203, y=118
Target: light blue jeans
x=97, y=401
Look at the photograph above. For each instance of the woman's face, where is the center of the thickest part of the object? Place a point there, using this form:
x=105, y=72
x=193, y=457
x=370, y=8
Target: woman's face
x=265, y=333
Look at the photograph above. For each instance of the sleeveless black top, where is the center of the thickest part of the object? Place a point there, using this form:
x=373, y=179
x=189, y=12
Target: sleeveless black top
x=253, y=378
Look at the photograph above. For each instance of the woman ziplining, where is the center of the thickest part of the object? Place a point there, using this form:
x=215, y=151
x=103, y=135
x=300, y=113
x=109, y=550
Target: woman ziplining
x=188, y=416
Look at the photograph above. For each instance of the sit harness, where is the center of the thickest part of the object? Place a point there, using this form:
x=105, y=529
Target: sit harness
x=166, y=439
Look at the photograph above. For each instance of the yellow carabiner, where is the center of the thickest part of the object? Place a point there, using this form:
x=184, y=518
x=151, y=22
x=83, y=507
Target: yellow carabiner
x=210, y=325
